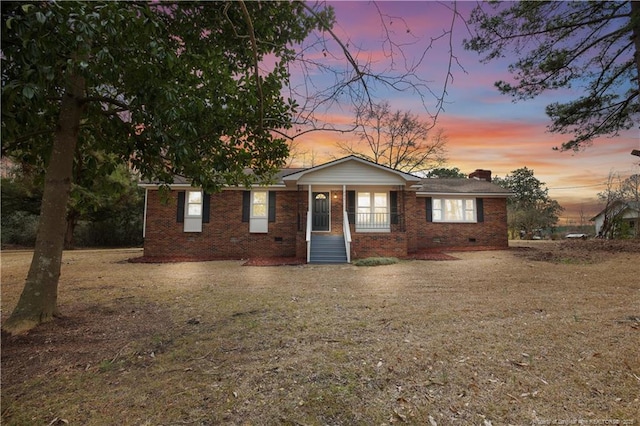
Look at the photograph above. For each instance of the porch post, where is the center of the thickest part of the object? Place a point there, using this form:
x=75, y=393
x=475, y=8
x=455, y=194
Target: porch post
x=144, y=217
x=344, y=197
x=309, y=224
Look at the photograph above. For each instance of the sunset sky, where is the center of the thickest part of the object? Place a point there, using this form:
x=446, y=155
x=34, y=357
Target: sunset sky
x=484, y=128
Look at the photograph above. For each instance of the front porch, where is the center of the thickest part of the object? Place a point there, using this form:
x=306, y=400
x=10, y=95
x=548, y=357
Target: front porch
x=362, y=203
x=340, y=223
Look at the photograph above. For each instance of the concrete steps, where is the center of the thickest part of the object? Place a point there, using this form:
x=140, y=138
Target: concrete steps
x=327, y=249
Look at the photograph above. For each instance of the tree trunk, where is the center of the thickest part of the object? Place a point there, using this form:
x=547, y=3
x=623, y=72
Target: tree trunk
x=38, y=301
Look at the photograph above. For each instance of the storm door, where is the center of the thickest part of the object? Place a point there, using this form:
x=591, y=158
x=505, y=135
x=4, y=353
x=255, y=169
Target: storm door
x=320, y=211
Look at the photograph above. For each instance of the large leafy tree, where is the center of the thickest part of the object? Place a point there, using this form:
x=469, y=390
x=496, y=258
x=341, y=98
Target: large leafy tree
x=592, y=48
x=192, y=89
x=104, y=190
x=530, y=207
x=396, y=139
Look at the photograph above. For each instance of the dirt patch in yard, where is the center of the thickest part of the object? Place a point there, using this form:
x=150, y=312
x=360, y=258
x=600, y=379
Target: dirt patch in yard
x=513, y=336
x=576, y=251
x=274, y=261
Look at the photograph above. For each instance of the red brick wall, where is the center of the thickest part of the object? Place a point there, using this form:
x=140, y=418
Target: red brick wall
x=399, y=242
x=225, y=236
x=337, y=215
x=412, y=220
x=383, y=244
x=490, y=233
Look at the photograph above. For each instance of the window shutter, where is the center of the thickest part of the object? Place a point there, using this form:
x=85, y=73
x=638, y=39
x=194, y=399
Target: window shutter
x=393, y=199
x=351, y=206
x=480, y=209
x=428, y=208
x=206, y=207
x=246, y=205
x=180, y=210
x=272, y=206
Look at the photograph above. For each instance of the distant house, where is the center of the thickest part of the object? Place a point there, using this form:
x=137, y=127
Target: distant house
x=332, y=213
x=620, y=216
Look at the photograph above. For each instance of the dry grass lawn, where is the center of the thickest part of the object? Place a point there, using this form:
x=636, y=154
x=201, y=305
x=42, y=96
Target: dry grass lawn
x=545, y=335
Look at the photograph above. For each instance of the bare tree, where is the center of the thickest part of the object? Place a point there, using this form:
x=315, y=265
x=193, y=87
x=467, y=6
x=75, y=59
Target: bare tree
x=335, y=74
x=631, y=190
x=612, y=197
x=396, y=139
x=300, y=157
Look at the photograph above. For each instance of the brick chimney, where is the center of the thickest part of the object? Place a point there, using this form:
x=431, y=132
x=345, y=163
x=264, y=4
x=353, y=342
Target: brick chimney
x=481, y=174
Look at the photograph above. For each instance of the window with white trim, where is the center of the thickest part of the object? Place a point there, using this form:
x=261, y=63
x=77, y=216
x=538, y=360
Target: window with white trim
x=193, y=210
x=454, y=210
x=194, y=204
x=259, y=201
x=258, y=222
x=372, y=211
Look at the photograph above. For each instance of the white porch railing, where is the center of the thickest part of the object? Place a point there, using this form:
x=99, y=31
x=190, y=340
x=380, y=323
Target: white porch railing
x=347, y=235
x=309, y=218
x=373, y=222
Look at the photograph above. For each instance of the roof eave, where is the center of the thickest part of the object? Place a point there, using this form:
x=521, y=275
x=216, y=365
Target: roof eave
x=294, y=177
x=467, y=194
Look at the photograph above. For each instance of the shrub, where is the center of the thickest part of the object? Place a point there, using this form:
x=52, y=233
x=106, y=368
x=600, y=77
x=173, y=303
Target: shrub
x=19, y=228
x=376, y=261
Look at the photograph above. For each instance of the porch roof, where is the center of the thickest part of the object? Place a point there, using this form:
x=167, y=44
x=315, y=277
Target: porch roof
x=350, y=170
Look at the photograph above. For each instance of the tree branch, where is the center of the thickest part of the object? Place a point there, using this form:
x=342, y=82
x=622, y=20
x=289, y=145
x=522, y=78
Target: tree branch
x=27, y=136
x=254, y=47
x=107, y=100
x=359, y=73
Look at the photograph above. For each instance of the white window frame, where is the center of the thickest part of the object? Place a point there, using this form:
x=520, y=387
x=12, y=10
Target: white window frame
x=189, y=203
x=193, y=222
x=259, y=222
x=442, y=206
x=365, y=226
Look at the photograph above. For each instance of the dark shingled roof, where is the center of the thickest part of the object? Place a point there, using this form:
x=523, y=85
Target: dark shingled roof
x=460, y=186
x=429, y=186
x=181, y=180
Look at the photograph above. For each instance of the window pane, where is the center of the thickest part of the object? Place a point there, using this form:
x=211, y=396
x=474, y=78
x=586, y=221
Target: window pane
x=260, y=197
x=468, y=204
x=195, y=197
x=453, y=209
x=259, y=210
x=194, y=210
x=364, y=199
x=437, y=204
x=380, y=199
x=468, y=215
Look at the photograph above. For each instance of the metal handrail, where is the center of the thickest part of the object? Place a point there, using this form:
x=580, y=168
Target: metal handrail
x=308, y=237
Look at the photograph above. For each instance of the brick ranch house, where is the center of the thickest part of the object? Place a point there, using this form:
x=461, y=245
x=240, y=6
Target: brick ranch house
x=332, y=213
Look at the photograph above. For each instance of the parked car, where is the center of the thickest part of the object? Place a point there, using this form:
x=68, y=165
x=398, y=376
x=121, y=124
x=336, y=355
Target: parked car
x=580, y=236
